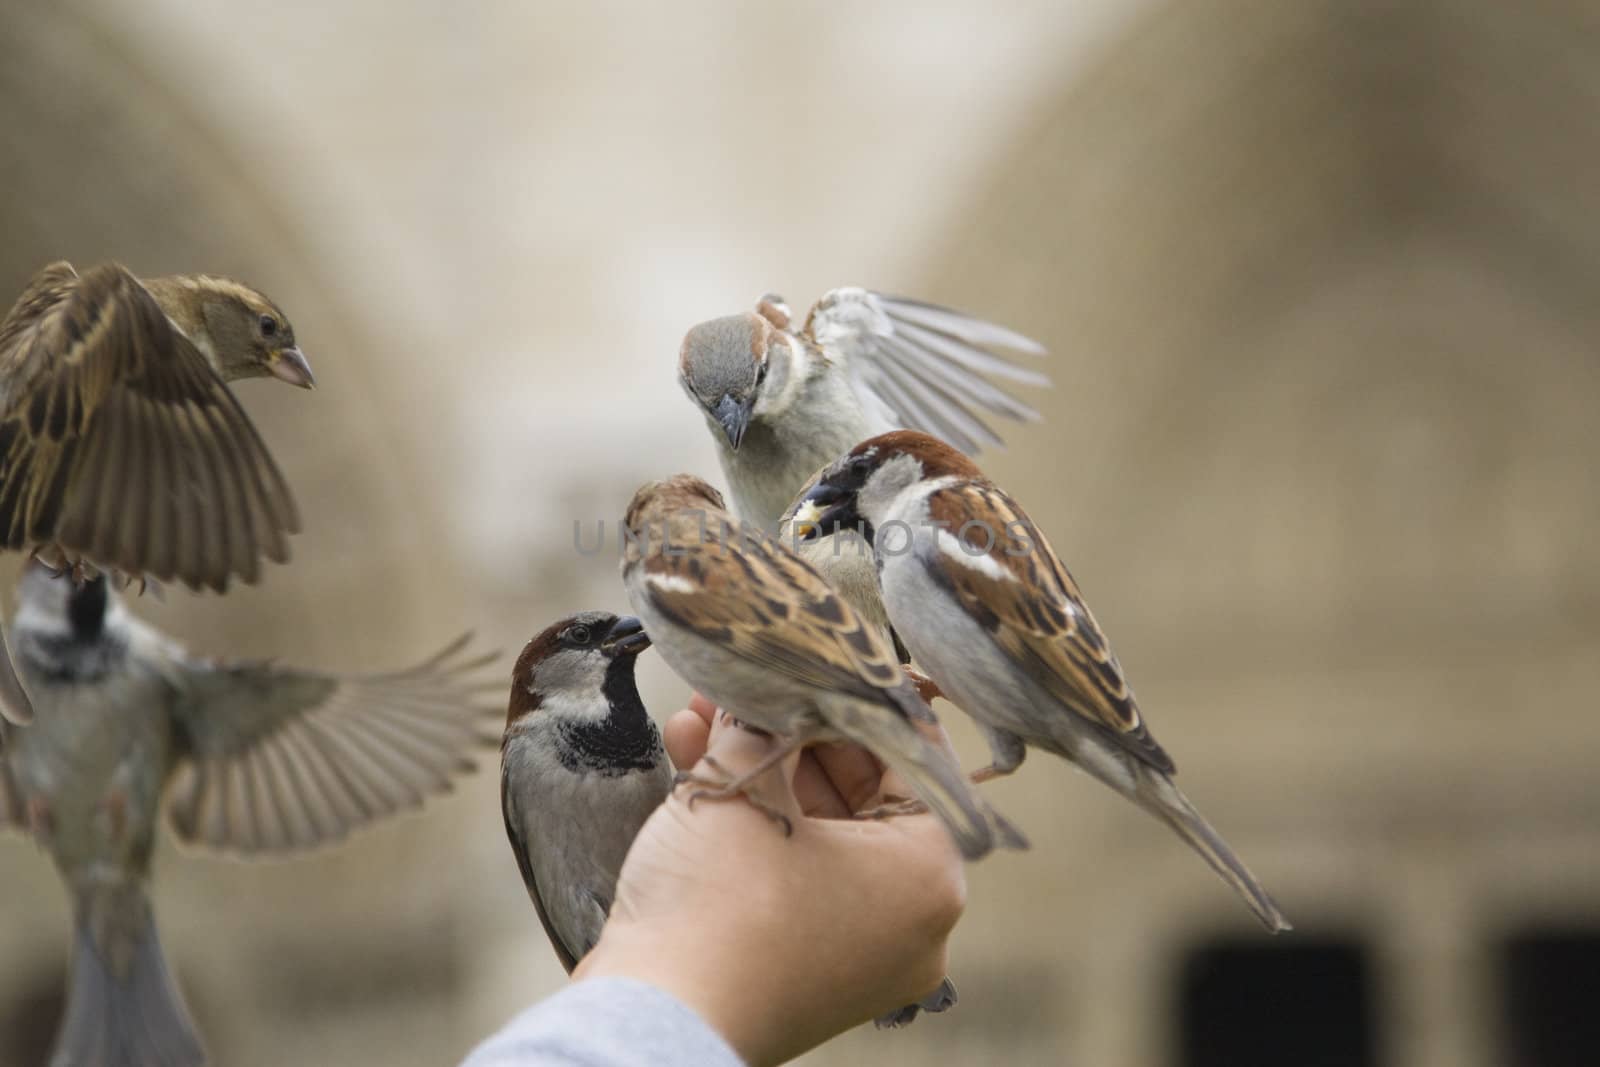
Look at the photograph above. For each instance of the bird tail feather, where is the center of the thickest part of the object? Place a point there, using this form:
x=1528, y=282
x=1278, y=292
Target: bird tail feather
x=1157, y=793
x=123, y=1008
x=935, y=775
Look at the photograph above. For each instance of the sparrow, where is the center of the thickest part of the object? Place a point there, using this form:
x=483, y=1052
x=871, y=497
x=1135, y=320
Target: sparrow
x=781, y=404
x=253, y=759
x=758, y=631
x=987, y=608
x=121, y=446
x=581, y=769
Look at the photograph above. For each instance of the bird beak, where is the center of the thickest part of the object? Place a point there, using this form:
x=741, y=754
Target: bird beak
x=289, y=364
x=627, y=638
x=734, y=418
x=824, y=510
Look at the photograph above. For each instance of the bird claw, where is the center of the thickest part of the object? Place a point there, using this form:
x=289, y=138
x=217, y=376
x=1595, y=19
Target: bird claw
x=728, y=790
x=892, y=808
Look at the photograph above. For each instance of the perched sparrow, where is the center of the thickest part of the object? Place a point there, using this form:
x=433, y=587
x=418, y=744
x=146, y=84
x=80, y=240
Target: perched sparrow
x=254, y=759
x=750, y=625
x=581, y=769
x=783, y=404
x=120, y=445
x=990, y=612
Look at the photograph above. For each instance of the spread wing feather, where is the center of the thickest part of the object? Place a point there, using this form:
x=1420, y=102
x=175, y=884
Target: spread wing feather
x=279, y=759
x=921, y=366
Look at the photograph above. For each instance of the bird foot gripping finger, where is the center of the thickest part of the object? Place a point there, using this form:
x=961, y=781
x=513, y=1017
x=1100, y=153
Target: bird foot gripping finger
x=893, y=807
x=728, y=790
x=740, y=786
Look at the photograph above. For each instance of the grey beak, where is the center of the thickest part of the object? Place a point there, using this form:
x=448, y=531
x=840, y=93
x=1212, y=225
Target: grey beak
x=289, y=365
x=826, y=509
x=626, y=638
x=734, y=418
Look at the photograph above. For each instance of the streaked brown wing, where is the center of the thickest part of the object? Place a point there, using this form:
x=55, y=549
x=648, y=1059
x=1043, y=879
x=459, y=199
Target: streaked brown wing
x=519, y=848
x=759, y=600
x=1034, y=610
x=279, y=760
x=121, y=444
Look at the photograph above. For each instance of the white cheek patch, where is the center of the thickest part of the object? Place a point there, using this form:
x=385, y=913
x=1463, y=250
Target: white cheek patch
x=670, y=583
x=969, y=556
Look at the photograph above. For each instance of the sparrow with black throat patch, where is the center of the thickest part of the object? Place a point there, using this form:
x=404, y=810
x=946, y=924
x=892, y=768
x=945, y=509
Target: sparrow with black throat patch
x=755, y=629
x=987, y=608
x=781, y=402
x=251, y=759
x=581, y=769
x=122, y=447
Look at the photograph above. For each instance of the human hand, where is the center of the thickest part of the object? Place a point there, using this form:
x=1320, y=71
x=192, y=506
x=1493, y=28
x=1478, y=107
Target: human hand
x=780, y=943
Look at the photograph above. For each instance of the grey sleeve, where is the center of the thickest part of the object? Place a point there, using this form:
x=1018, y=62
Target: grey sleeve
x=605, y=1022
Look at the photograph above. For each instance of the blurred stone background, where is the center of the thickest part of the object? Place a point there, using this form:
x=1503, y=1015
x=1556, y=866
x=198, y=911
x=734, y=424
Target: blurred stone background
x=1319, y=283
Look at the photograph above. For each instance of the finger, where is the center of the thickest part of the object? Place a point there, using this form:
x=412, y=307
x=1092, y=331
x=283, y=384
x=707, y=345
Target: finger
x=702, y=707
x=737, y=750
x=686, y=735
x=814, y=789
x=855, y=774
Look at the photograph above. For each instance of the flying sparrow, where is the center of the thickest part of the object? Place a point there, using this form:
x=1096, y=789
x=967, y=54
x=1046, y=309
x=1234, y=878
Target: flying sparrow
x=253, y=759
x=120, y=445
x=581, y=769
x=755, y=629
x=783, y=403
x=989, y=611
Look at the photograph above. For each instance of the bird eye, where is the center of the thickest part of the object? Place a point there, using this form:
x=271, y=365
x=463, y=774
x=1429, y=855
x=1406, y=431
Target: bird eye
x=579, y=635
x=268, y=325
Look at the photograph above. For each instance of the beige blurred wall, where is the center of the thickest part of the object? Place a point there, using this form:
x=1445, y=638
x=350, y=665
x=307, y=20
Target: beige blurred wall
x=1317, y=283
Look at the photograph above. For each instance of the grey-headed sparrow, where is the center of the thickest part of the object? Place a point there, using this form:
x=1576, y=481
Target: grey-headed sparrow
x=121, y=446
x=253, y=759
x=781, y=402
x=990, y=613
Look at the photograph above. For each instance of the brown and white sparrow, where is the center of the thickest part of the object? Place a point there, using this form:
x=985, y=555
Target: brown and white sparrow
x=782, y=403
x=755, y=629
x=121, y=446
x=253, y=759
x=988, y=610
x=581, y=769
